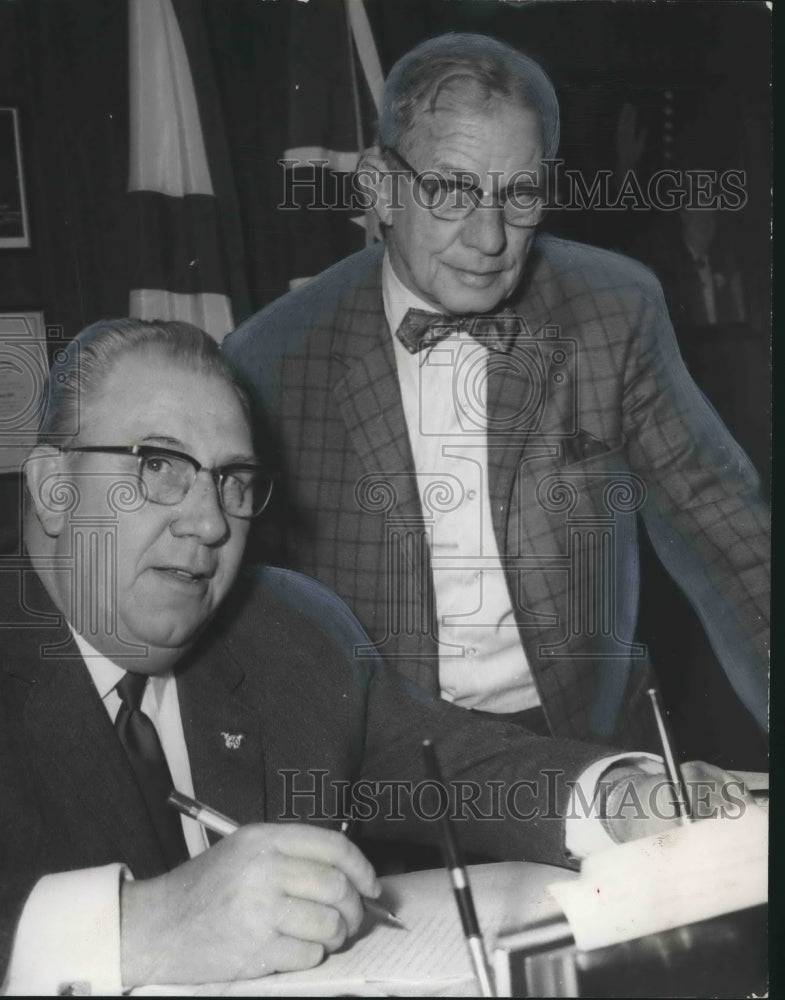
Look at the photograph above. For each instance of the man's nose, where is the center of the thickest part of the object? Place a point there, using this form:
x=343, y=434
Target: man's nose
x=200, y=512
x=483, y=230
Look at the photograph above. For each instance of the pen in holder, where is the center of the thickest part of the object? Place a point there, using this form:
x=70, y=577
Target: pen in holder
x=460, y=884
x=681, y=798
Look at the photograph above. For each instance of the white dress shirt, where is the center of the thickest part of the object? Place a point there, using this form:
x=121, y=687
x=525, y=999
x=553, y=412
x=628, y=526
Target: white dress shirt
x=482, y=663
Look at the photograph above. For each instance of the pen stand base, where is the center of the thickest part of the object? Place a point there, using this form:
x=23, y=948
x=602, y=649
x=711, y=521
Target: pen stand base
x=723, y=957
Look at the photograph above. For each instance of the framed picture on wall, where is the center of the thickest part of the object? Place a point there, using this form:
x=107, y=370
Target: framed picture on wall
x=14, y=222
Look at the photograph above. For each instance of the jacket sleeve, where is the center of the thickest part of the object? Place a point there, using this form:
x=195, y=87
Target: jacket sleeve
x=25, y=853
x=507, y=790
x=703, y=510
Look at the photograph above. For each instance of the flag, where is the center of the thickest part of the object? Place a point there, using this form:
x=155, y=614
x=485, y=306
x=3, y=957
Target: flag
x=179, y=226
x=334, y=90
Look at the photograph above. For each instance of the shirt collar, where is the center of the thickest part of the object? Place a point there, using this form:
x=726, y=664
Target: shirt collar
x=106, y=674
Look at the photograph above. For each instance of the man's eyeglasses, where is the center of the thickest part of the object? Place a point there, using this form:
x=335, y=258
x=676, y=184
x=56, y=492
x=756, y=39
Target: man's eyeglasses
x=167, y=476
x=454, y=197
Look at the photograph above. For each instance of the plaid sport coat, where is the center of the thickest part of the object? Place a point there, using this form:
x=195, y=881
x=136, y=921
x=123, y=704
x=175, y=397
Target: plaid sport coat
x=593, y=425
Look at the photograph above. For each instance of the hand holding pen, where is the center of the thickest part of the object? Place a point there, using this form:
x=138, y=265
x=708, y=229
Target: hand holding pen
x=269, y=898
x=223, y=826
x=372, y=905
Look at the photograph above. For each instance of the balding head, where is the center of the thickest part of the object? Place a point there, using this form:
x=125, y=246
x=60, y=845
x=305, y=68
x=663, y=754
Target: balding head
x=467, y=71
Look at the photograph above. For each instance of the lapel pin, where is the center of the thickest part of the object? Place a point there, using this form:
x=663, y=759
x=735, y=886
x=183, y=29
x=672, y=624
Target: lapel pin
x=233, y=741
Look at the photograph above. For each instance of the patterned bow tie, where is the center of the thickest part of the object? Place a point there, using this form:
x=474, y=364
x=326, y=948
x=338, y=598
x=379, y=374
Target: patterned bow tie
x=420, y=330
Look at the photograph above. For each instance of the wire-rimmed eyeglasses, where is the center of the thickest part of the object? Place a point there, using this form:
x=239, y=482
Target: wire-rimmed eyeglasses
x=243, y=488
x=455, y=196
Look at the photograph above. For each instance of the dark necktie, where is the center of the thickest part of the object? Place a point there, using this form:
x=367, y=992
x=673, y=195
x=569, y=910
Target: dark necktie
x=420, y=330
x=138, y=736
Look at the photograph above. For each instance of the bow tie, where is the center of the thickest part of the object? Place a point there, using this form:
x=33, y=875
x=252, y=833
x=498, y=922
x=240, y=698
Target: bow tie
x=420, y=330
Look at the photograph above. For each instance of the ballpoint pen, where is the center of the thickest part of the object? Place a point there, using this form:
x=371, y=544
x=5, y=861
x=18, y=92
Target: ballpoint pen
x=222, y=825
x=460, y=883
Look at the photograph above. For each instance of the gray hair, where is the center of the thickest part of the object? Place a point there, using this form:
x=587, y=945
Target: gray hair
x=81, y=367
x=417, y=79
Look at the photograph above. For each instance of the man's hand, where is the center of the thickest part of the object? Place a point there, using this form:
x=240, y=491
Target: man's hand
x=638, y=804
x=269, y=898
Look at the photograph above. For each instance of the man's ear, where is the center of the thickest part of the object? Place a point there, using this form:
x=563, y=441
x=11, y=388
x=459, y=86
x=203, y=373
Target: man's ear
x=48, y=491
x=378, y=185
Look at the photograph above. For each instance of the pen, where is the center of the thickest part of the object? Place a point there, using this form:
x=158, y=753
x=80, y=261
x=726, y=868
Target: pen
x=209, y=818
x=671, y=766
x=460, y=883
x=371, y=904
x=222, y=825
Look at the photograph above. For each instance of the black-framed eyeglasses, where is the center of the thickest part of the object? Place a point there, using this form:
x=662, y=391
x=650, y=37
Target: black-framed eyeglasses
x=243, y=488
x=455, y=196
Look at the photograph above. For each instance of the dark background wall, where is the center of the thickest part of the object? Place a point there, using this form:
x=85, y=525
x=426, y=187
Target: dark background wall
x=695, y=71
x=64, y=64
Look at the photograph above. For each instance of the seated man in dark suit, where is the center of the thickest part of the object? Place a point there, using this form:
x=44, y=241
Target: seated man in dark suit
x=137, y=657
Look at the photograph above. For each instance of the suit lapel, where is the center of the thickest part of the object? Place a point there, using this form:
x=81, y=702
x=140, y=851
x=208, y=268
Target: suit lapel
x=223, y=735
x=517, y=397
x=71, y=734
x=369, y=397
x=369, y=400
x=68, y=722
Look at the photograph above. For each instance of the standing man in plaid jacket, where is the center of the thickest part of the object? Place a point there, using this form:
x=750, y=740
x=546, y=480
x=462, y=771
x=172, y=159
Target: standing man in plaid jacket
x=474, y=417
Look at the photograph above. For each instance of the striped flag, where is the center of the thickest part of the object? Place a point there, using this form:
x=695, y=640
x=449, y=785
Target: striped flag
x=335, y=85
x=179, y=225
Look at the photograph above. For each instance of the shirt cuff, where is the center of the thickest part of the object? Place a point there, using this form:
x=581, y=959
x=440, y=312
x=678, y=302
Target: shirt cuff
x=68, y=937
x=583, y=832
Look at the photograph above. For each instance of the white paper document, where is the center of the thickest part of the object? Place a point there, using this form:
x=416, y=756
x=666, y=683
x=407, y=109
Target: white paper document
x=429, y=958
x=688, y=874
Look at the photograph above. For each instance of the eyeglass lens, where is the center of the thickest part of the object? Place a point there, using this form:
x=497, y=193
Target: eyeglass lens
x=167, y=480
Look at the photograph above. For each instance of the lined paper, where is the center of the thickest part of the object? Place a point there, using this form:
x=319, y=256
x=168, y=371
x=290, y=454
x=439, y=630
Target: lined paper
x=429, y=958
